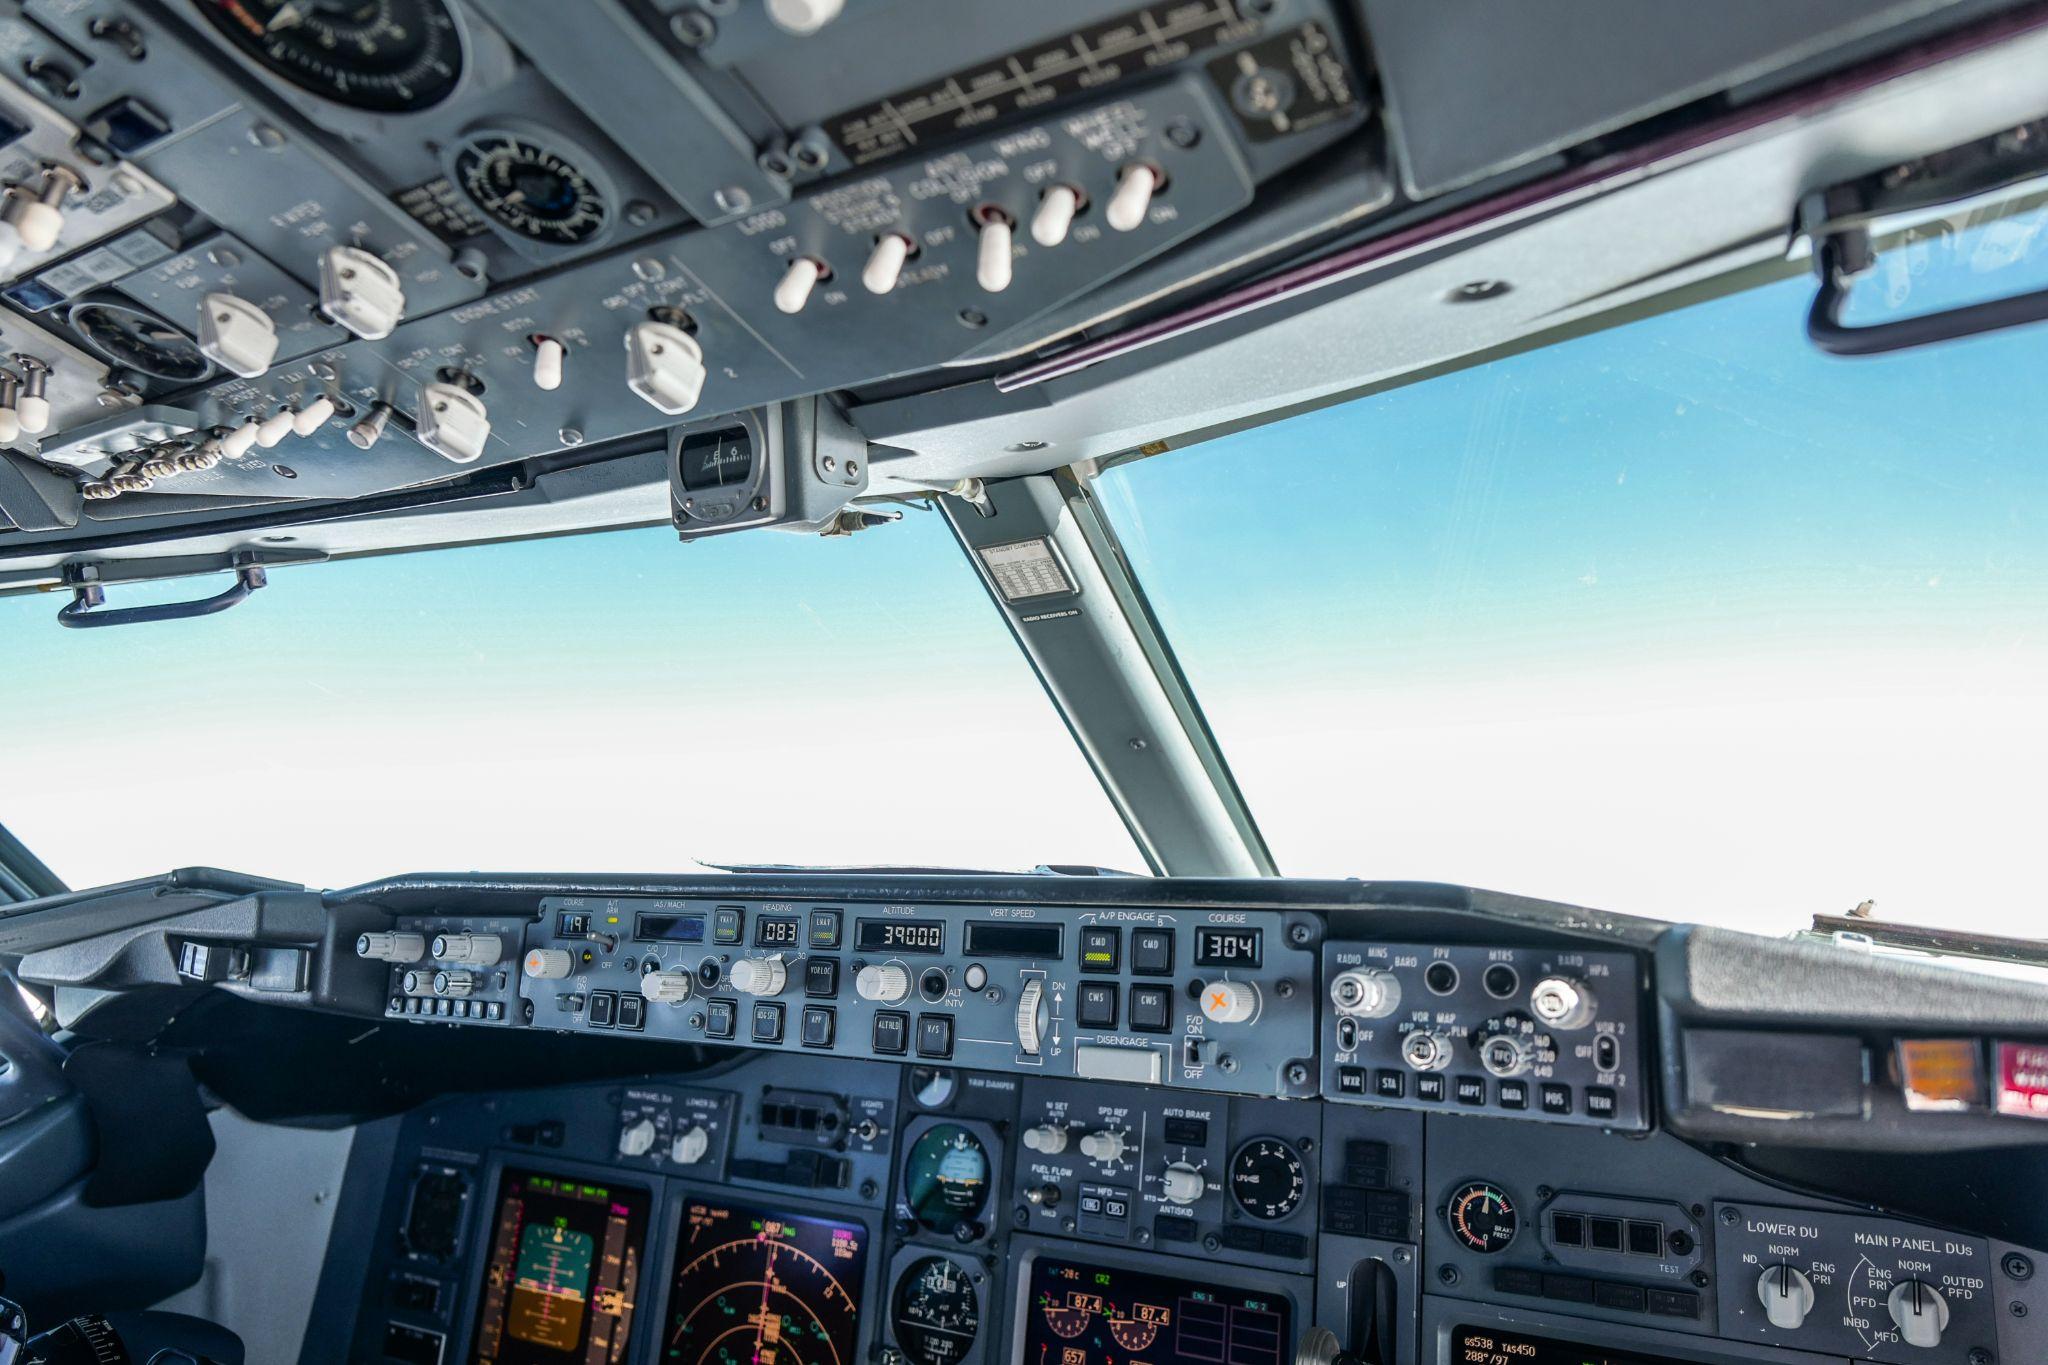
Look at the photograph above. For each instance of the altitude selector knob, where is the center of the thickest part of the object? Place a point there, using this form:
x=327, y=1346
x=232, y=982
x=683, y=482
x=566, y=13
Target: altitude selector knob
x=1182, y=1183
x=760, y=975
x=1920, y=1312
x=547, y=964
x=1786, y=1294
x=887, y=983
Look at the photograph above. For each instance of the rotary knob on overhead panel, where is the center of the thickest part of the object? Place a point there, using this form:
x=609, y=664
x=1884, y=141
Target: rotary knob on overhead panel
x=236, y=335
x=1103, y=1145
x=665, y=366
x=1786, y=1294
x=1031, y=1017
x=637, y=1138
x=1182, y=1183
x=360, y=292
x=886, y=983
x=1047, y=1139
x=547, y=964
x=689, y=1146
x=760, y=975
x=452, y=422
x=668, y=988
x=1920, y=1312
x=1230, y=1002
x=479, y=948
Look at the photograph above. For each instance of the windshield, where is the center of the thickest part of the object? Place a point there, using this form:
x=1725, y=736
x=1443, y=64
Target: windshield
x=1681, y=618
x=614, y=702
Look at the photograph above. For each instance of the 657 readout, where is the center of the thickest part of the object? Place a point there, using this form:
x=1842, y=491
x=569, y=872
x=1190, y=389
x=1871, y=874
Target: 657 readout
x=1226, y=947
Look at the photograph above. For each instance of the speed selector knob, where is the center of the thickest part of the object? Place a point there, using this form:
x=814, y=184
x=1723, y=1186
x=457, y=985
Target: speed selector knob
x=1031, y=1017
x=1230, y=1002
x=887, y=983
x=479, y=948
x=1920, y=1312
x=668, y=988
x=689, y=1146
x=1047, y=1139
x=1103, y=1145
x=760, y=975
x=1182, y=1184
x=1786, y=1294
x=547, y=964
x=637, y=1138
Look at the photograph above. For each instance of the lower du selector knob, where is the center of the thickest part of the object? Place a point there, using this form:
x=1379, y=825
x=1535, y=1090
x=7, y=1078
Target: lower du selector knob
x=760, y=975
x=1786, y=1294
x=888, y=983
x=689, y=1146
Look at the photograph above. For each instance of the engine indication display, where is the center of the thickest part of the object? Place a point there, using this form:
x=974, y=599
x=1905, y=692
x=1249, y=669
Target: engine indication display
x=936, y=1312
x=1481, y=1217
x=386, y=56
x=563, y=1272
x=926, y=936
x=945, y=1178
x=755, y=1286
x=1084, y=1314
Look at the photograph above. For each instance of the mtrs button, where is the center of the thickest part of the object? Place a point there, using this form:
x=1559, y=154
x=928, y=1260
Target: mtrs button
x=1101, y=949
x=935, y=1035
x=1095, y=1006
x=892, y=1033
x=1152, y=952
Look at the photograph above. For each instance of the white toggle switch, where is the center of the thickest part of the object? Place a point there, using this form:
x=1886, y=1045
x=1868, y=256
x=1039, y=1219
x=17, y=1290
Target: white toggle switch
x=804, y=17
x=992, y=262
x=313, y=416
x=275, y=427
x=547, y=364
x=793, y=290
x=32, y=220
x=665, y=366
x=1134, y=191
x=34, y=408
x=452, y=422
x=1056, y=209
x=236, y=443
x=360, y=292
x=236, y=335
x=10, y=422
x=885, y=262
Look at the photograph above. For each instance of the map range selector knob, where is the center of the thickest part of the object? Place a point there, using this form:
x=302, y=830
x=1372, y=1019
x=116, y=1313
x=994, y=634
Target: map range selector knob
x=391, y=947
x=1048, y=1139
x=483, y=949
x=669, y=987
x=1366, y=993
x=760, y=975
x=689, y=1146
x=1920, y=1312
x=1562, y=1002
x=1103, y=1145
x=1786, y=1294
x=637, y=1138
x=547, y=964
x=1031, y=1018
x=1229, y=1002
x=454, y=983
x=1182, y=1183
x=887, y=983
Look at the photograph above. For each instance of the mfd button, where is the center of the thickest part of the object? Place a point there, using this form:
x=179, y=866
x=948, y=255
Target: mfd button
x=1095, y=1006
x=935, y=1035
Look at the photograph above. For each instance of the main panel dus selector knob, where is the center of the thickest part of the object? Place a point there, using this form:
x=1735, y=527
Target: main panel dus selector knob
x=1920, y=1312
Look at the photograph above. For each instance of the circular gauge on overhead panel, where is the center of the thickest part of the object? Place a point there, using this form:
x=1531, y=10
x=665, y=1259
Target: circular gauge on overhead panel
x=1481, y=1217
x=1267, y=1178
x=384, y=56
x=945, y=1178
x=532, y=186
x=136, y=339
x=935, y=1311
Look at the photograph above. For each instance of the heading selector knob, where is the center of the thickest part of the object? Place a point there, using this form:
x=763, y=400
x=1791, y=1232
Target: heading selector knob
x=1562, y=1002
x=1366, y=993
x=1103, y=1145
x=668, y=988
x=887, y=983
x=1786, y=1294
x=1230, y=1002
x=483, y=949
x=1182, y=1183
x=760, y=975
x=1920, y=1312
x=547, y=964
x=394, y=947
x=1048, y=1139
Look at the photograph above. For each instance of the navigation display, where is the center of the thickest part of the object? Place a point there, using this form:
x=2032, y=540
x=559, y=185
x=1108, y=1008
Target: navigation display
x=753, y=1287
x=1491, y=1346
x=563, y=1272
x=1081, y=1314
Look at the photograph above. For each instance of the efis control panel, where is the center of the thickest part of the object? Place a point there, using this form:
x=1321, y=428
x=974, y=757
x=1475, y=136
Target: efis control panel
x=1205, y=1000
x=450, y=967
x=1535, y=1033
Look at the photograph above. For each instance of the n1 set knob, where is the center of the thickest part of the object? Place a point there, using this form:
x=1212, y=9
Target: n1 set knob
x=1786, y=1294
x=1229, y=1002
x=391, y=947
x=483, y=949
x=1047, y=1139
x=886, y=983
x=759, y=975
x=1182, y=1183
x=547, y=964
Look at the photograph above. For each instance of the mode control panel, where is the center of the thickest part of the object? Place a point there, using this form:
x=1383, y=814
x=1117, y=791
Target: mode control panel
x=1210, y=1177
x=1871, y=1288
x=450, y=967
x=1536, y=1033
x=1204, y=1000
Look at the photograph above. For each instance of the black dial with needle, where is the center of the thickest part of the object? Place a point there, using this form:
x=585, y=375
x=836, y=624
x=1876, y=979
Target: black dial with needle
x=1481, y=1217
x=385, y=56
